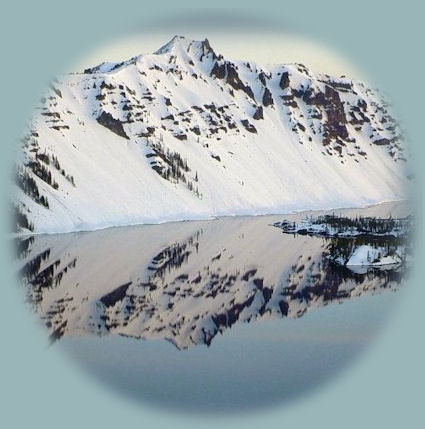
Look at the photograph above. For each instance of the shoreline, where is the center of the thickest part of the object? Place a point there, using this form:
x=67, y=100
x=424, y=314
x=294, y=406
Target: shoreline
x=209, y=218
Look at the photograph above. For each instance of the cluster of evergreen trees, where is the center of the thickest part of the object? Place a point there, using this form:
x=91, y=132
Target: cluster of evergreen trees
x=26, y=182
x=387, y=245
x=173, y=167
x=21, y=220
x=194, y=189
x=364, y=225
x=56, y=164
x=176, y=165
x=43, y=173
x=389, y=237
x=23, y=246
x=29, y=186
x=53, y=160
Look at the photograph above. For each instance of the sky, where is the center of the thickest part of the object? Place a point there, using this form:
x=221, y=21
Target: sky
x=262, y=47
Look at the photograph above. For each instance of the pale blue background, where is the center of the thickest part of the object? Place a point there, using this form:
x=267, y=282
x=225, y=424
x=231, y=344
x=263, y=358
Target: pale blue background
x=40, y=388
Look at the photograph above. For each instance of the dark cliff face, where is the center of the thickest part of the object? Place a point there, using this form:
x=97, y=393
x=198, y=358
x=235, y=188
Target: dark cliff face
x=335, y=124
x=207, y=49
x=114, y=125
x=328, y=102
x=284, y=80
x=248, y=126
x=262, y=77
x=258, y=113
x=267, y=98
x=227, y=71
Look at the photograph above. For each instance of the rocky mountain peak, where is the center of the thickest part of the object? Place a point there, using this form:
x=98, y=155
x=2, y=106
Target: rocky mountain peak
x=215, y=136
x=170, y=46
x=180, y=46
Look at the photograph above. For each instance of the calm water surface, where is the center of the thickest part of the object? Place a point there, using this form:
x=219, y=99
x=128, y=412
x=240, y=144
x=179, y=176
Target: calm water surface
x=220, y=315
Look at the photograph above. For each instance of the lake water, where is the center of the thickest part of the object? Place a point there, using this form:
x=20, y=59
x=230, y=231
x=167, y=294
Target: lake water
x=221, y=315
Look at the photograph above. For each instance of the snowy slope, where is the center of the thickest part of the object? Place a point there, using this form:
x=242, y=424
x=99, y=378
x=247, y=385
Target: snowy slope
x=187, y=134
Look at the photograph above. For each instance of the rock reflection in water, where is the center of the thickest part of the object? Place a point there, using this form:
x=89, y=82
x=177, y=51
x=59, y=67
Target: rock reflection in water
x=185, y=282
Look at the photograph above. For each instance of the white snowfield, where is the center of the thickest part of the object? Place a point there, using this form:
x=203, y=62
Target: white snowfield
x=186, y=134
x=370, y=256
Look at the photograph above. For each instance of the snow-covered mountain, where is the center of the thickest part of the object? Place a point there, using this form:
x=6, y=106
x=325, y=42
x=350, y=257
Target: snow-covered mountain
x=185, y=282
x=187, y=134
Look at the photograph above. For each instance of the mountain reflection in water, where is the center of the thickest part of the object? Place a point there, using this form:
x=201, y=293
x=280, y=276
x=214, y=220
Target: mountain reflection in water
x=99, y=293
x=185, y=282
